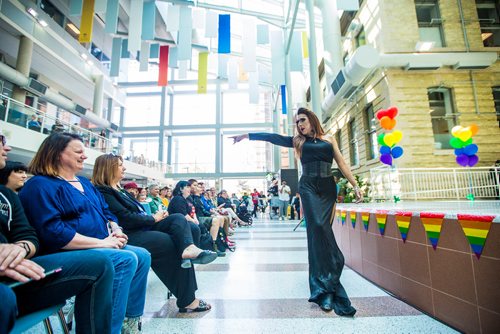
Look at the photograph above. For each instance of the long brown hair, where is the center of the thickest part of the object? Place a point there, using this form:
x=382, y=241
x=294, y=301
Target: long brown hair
x=47, y=159
x=105, y=169
x=317, y=131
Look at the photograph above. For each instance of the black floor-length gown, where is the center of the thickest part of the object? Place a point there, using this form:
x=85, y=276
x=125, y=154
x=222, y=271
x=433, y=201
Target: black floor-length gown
x=318, y=193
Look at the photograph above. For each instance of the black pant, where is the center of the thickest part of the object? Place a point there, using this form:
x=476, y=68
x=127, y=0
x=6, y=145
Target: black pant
x=166, y=242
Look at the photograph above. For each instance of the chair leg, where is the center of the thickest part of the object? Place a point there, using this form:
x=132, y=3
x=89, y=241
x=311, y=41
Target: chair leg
x=48, y=326
x=62, y=320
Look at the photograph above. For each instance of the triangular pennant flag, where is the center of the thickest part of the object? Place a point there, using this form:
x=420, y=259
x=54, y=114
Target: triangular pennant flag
x=365, y=217
x=476, y=229
x=433, y=223
x=381, y=217
x=338, y=216
x=353, y=219
x=342, y=216
x=403, y=220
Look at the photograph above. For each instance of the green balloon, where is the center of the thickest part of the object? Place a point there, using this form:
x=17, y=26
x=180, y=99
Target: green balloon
x=456, y=143
x=381, y=139
x=468, y=142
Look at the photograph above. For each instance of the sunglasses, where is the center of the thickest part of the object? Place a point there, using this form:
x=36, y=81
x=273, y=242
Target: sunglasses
x=3, y=140
x=300, y=120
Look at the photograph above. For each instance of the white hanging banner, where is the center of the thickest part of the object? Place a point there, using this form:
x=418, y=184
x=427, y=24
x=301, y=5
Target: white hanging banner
x=172, y=58
x=264, y=74
x=253, y=87
x=100, y=6
x=222, y=65
x=262, y=34
x=211, y=24
x=232, y=74
x=173, y=18
x=348, y=5
x=277, y=58
x=144, y=57
x=198, y=18
x=135, y=27
x=185, y=34
x=183, y=66
x=249, y=45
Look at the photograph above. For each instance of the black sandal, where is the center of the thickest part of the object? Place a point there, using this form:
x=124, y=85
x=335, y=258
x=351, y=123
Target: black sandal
x=202, y=307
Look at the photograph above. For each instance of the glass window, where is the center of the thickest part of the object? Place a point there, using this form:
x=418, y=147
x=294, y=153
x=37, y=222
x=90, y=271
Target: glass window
x=255, y=156
x=443, y=116
x=240, y=186
x=53, y=12
x=496, y=99
x=236, y=109
x=371, y=133
x=488, y=12
x=193, y=154
x=353, y=143
x=141, y=150
x=191, y=109
x=361, y=38
x=430, y=26
x=143, y=111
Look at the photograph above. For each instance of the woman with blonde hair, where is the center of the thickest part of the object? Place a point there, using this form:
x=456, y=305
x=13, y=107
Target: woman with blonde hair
x=316, y=151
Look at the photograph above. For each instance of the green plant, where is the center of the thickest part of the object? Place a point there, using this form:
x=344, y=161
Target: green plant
x=346, y=191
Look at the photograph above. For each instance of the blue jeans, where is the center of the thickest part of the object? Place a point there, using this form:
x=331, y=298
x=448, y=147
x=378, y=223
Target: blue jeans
x=8, y=310
x=131, y=266
x=283, y=208
x=85, y=273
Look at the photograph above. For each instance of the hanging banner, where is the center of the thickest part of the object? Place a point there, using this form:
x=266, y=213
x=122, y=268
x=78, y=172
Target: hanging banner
x=403, y=220
x=305, y=45
x=353, y=219
x=183, y=66
x=116, y=52
x=211, y=24
x=253, y=88
x=433, y=223
x=172, y=58
x=154, y=50
x=249, y=45
x=277, y=58
x=232, y=74
x=184, y=43
x=125, y=53
x=476, y=229
x=144, y=57
x=262, y=34
x=365, y=217
x=173, y=18
x=283, y=99
x=198, y=18
x=337, y=216
x=342, y=216
x=100, y=6
x=75, y=7
x=135, y=27
x=222, y=61
x=87, y=21
x=381, y=217
x=163, y=66
x=202, y=72
x=296, y=52
x=148, y=21
x=224, y=45
x=111, y=16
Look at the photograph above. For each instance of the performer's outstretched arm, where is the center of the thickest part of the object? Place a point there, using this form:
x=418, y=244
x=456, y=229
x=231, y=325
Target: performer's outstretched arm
x=272, y=138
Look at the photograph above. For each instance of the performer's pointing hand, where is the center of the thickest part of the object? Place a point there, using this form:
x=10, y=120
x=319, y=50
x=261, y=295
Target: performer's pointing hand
x=238, y=138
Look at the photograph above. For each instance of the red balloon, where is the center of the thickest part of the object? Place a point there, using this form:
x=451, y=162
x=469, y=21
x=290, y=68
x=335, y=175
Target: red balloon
x=392, y=112
x=381, y=113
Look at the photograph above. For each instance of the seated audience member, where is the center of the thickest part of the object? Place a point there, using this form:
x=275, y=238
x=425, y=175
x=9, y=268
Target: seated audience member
x=34, y=124
x=132, y=188
x=13, y=175
x=69, y=213
x=144, y=200
x=167, y=237
x=156, y=201
x=225, y=204
x=164, y=195
x=87, y=274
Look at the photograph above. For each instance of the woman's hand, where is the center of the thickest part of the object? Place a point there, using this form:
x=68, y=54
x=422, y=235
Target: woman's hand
x=159, y=215
x=24, y=271
x=359, y=194
x=237, y=139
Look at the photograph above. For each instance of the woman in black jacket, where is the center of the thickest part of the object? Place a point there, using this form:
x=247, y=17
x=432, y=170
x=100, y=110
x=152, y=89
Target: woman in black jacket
x=167, y=238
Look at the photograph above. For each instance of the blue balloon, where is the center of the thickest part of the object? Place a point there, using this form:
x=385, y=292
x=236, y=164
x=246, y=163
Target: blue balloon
x=397, y=151
x=470, y=150
x=459, y=151
x=385, y=149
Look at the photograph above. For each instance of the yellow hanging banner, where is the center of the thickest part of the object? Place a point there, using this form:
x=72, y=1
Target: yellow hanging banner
x=202, y=72
x=305, y=47
x=87, y=21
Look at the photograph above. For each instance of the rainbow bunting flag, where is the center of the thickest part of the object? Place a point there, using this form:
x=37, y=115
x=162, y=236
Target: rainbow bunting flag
x=381, y=217
x=353, y=219
x=337, y=216
x=365, y=217
x=433, y=223
x=476, y=230
x=342, y=216
x=403, y=220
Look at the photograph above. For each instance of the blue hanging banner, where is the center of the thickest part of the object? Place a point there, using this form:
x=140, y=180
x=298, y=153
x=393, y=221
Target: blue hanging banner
x=296, y=52
x=184, y=42
x=116, y=53
x=75, y=7
x=125, y=53
x=111, y=17
x=148, y=21
x=283, y=99
x=224, y=45
x=262, y=34
x=172, y=58
x=154, y=50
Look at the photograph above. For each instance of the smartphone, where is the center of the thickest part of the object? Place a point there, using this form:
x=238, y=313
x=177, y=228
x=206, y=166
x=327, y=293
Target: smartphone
x=13, y=284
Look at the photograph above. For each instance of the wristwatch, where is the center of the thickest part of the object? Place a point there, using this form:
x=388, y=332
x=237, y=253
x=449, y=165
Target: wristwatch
x=25, y=246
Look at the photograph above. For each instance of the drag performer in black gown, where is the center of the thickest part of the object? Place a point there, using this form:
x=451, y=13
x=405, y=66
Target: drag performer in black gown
x=318, y=193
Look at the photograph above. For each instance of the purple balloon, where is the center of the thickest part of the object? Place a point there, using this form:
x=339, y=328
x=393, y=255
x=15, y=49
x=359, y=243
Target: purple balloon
x=386, y=159
x=473, y=160
x=462, y=160
x=397, y=151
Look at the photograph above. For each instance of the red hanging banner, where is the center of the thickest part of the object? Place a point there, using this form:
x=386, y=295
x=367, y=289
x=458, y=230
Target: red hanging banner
x=163, y=67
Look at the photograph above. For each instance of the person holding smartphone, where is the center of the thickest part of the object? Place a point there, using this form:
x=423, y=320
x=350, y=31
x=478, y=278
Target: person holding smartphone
x=86, y=274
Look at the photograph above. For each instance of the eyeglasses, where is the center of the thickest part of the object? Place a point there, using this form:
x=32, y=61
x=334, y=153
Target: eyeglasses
x=300, y=120
x=3, y=140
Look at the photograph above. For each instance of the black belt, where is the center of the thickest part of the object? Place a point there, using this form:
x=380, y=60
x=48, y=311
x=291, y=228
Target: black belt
x=317, y=169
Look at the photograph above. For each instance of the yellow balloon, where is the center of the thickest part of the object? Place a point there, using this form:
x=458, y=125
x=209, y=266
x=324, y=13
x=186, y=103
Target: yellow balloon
x=397, y=135
x=464, y=135
x=456, y=130
x=389, y=139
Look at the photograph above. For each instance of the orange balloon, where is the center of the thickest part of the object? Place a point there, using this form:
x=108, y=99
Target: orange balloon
x=474, y=129
x=387, y=123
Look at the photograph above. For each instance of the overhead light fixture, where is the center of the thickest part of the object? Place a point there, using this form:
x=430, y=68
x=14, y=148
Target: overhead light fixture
x=43, y=23
x=84, y=56
x=424, y=46
x=73, y=28
x=32, y=11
